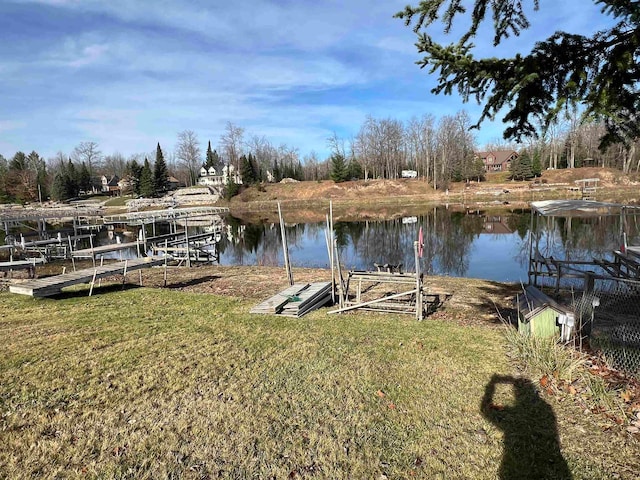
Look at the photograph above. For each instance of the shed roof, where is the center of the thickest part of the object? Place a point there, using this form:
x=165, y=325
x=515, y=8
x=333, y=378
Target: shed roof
x=533, y=301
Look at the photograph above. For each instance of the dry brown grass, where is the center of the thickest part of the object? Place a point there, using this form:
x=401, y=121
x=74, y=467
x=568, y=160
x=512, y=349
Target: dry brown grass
x=363, y=200
x=150, y=383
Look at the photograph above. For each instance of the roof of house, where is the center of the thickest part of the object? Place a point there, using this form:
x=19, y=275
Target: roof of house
x=172, y=179
x=113, y=181
x=501, y=156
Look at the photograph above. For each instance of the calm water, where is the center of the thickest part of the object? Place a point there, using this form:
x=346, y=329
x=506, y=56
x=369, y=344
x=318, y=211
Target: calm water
x=457, y=243
x=475, y=244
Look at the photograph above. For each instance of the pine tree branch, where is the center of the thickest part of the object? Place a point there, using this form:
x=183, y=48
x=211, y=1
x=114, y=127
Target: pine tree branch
x=600, y=73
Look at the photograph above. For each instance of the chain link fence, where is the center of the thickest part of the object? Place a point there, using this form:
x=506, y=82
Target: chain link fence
x=609, y=316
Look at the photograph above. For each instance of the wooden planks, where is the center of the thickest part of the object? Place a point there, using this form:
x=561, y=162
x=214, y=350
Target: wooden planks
x=20, y=264
x=296, y=300
x=314, y=296
x=46, y=287
x=97, y=251
x=279, y=300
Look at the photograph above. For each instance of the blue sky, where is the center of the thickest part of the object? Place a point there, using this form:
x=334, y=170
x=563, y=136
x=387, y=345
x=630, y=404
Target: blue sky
x=130, y=73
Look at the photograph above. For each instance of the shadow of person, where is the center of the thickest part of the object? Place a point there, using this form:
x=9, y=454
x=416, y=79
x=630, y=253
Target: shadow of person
x=531, y=445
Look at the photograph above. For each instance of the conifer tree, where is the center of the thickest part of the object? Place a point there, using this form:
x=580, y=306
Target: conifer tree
x=59, y=185
x=212, y=159
x=84, y=178
x=277, y=174
x=4, y=170
x=72, y=187
x=257, y=174
x=521, y=167
x=147, y=185
x=355, y=170
x=339, y=170
x=246, y=171
x=133, y=171
x=231, y=189
x=159, y=172
x=599, y=72
x=536, y=165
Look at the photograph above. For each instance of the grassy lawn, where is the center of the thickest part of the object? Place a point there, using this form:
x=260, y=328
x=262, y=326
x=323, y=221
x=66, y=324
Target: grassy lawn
x=149, y=383
x=118, y=201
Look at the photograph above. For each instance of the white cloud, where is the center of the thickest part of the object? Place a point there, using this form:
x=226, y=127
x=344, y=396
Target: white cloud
x=75, y=55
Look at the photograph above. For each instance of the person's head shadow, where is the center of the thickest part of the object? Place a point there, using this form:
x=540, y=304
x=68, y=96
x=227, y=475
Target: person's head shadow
x=531, y=444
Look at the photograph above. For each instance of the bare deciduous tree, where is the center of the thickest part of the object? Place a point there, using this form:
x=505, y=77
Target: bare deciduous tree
x=232, y=143
x=88, y=153
x=114, y=164
x=188, y=154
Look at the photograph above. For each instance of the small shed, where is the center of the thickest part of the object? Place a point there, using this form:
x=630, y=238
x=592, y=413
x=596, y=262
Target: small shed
x=541, y=316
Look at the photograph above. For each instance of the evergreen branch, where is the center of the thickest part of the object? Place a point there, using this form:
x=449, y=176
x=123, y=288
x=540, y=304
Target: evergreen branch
x=600, y=72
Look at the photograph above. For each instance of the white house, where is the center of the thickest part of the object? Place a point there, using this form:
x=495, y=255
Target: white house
x=211, y=178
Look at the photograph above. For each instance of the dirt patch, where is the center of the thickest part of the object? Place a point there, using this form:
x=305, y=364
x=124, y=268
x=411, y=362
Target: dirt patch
x=465, y=301
x=608, y=176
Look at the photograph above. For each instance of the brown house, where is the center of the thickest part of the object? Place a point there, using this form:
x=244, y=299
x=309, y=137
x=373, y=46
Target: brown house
x=498, y=160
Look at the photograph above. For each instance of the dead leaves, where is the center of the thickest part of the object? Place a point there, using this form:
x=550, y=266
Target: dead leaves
x=390, y=405
x=597, y=390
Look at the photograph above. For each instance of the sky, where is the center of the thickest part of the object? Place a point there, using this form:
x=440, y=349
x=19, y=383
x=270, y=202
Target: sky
x=130, y=73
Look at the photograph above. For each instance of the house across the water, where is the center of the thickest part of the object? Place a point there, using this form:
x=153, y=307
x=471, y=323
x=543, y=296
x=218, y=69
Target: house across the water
x=497, y=160
x=110, y=185
x=211, y=178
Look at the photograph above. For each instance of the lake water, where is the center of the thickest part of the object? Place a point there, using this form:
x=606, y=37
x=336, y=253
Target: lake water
x=476, y=244
x=491, y=245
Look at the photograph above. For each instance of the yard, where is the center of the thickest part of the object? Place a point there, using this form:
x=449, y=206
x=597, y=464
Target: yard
x=150, y=383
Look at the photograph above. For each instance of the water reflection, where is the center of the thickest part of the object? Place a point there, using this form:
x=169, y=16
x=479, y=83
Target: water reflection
x=472, y=243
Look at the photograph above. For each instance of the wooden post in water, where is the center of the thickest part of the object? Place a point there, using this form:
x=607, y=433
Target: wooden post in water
x=332, y=237
x=328, y=238
x=341, y=292
x=285, y=247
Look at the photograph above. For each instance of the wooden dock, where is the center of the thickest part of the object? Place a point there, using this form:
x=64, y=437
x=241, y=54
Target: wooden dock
x=152, y=216
x=29, y=265
x=102, y=249
x=49, y=286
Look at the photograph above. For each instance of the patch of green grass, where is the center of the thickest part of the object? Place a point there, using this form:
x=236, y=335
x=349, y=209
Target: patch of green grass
x=497, y=177
x=149, y=383
x=118, y=201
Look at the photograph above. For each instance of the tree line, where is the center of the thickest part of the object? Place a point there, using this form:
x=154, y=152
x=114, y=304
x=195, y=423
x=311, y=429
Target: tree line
x=439, y=150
